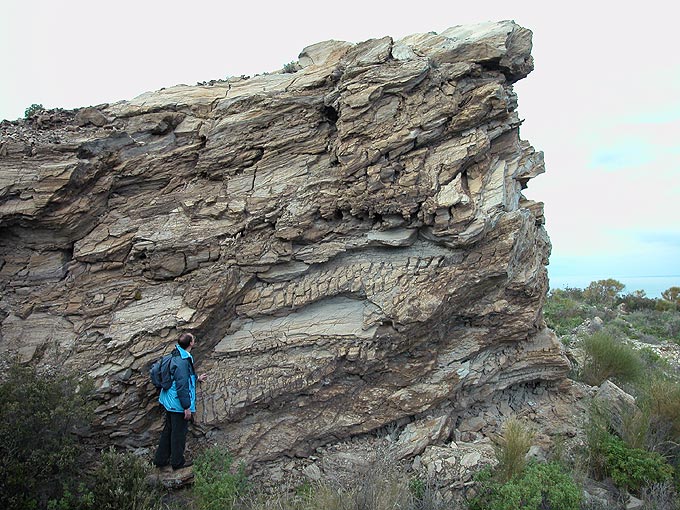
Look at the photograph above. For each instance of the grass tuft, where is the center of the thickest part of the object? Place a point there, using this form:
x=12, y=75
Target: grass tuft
x=608, y=358
x=512, y=449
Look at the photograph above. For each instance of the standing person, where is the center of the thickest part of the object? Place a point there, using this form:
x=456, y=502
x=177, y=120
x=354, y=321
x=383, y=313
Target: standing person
x=180, y=402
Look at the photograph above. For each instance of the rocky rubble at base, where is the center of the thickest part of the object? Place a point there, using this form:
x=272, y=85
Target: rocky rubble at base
x=556, y=413
x=448, y=448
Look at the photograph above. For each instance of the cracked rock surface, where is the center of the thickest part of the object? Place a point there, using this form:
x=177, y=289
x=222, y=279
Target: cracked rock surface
x=349, y=242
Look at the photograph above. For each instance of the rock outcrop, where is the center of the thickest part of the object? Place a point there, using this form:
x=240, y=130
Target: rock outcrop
x=349, y=242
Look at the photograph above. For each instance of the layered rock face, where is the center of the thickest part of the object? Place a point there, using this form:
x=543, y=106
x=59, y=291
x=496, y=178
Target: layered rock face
x=349, y=242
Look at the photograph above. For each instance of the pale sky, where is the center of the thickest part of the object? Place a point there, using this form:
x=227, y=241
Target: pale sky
x=603, y=102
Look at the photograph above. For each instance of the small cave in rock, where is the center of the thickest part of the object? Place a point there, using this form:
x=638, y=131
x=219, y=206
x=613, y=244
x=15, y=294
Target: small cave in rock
x=330, y=114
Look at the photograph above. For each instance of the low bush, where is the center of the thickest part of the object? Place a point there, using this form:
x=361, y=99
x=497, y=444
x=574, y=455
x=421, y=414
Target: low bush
x=39, y=449
x=609, y=358
x=651, y=358
x=120, y=483
x=664, y=325
x=662, y=305
x=608, y=455
x=603, y=292
x=637, y=301
x=32, y=110
x=540, y=486
x=291, y=67
x=634, y=468
x=218, y=481
x=563, y=312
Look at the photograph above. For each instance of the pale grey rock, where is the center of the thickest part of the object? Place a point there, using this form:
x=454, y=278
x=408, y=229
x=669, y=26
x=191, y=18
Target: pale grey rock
x=283, y=272
x=320, y=53
x=472, y=424
x=454, y=466
x=634, y=503
x=395, y=237
x=92, y=116
x=418, y=435
x=38, y=331
x=313, y=472
x=171, y=479
x=349, y=243
x=618, y=404
x=537, y=453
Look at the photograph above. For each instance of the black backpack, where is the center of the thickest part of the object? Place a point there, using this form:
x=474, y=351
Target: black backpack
x=159, y=373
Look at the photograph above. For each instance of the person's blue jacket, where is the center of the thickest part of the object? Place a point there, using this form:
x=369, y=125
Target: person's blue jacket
x=182, y=394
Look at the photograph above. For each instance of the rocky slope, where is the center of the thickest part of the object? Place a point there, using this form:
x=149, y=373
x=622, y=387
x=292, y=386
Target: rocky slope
x=348, y=242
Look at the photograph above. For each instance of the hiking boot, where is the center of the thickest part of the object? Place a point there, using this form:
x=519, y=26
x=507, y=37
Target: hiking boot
x=185, y=465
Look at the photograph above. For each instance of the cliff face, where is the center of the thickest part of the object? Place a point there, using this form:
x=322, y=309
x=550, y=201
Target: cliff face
x=348, y=242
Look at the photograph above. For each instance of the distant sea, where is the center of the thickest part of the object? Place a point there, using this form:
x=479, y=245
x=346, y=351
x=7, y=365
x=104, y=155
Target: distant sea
x=652, y=285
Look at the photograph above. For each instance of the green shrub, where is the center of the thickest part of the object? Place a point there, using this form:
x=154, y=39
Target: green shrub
x=603, y=292
x=672, y=295
x=609, y=456
x=218, y=482
x=662, y=305
x=637, y=300
x=39, y=451
x=512, y=449
x=32, y=110
x=661, y=324
x=651, y=357
x=120, y=483
x=620, y=328
x=540, y=486
x=417, y=487
x=634, y=468
x=608, y=358
x=304, y=490
x=563, y=312
x=81, y=498
x=290, y=67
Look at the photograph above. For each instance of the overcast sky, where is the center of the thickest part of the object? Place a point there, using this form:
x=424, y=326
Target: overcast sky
x=603, y=102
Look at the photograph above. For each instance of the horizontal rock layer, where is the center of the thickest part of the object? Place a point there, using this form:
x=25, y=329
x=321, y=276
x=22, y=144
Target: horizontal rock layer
x=348, y=242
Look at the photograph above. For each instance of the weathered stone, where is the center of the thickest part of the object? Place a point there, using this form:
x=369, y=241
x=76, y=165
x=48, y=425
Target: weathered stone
x=618, y=404
x=172, y=479
x=472, y=424
x=312, y=472
x=349, y=243
x=634, y=503
x=92, y=116
x=454, y=466
x=418, y=435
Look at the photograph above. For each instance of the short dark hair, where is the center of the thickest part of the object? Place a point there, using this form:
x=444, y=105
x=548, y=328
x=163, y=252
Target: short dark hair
x=185, y=340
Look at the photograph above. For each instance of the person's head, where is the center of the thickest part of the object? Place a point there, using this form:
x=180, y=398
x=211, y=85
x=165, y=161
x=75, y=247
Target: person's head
x=186, y=341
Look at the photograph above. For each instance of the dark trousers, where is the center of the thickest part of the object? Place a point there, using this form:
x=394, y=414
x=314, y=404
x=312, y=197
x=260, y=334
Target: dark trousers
x=173, y=440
